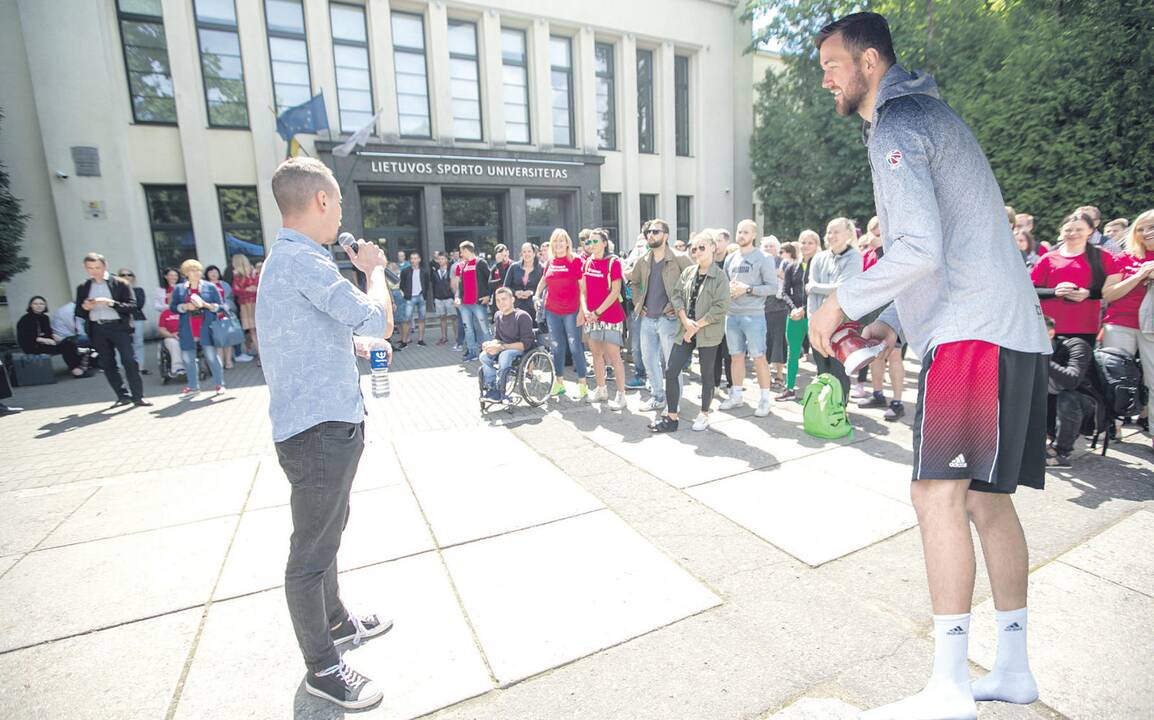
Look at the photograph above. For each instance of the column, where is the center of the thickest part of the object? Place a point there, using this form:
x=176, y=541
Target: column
x=517, y=220
x=540, y=84
x=440, y=85
x=629, y=141
x=433, y=220
x=665, y=127
x=184, y=60
x=384, y=72
x=268, y=147
x=492, y=78
x=585, y=93
x=322, y=68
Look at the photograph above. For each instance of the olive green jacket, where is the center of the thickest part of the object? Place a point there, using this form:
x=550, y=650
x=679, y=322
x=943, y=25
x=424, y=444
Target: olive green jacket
x=712, y=303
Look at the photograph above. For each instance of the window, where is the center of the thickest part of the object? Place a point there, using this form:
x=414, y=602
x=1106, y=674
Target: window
x=291, y=83
x=648, y=207
x=561, y=74
x=240, y=221
x=171, y=222
x=515, y=71
x=645, y=100
x=544, y=213
x=684, y=203
x=464, y=80
x=611, y=220
x=351, y=57
x=681, y=103
x=477, y=217
x=220, y=63
x=606, y=98
x=146, y=61
x=412, y=77
x=395, y=216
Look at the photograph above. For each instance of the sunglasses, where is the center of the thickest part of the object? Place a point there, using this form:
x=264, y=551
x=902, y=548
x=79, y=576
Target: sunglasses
x=593, y=241
x=655, y=231
x=696, y=248
x=127, y=275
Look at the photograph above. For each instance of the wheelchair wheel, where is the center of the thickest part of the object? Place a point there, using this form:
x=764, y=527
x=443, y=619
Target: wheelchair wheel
x=535, y=377
x=165, y=364
x=481, y=399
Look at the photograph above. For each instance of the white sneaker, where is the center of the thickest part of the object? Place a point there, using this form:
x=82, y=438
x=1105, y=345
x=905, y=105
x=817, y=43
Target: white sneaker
x=762, y=407
x=618, y=402
x=652, y=404
x=733, y=401
x=600, y=394
x=244, y=357
x=701, y=423
x=858, y=392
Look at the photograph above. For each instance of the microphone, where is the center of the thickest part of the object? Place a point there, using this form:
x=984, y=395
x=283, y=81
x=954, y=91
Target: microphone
x=349, y=243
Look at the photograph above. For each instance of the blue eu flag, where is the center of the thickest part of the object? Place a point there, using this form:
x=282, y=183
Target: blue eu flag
x=306, y=118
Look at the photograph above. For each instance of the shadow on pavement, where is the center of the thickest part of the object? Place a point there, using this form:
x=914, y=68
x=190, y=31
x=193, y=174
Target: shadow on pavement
x=76, y=422
x=204, y=400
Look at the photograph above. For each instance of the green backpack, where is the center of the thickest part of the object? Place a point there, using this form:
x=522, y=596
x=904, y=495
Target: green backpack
x=823, y=409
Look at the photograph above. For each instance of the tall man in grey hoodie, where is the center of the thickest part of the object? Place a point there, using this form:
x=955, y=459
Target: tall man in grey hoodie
x=752, y=278
x=968, y=311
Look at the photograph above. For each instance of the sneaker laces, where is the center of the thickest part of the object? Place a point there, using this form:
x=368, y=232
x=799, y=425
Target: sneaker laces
x=360, y=632
x=351, y=678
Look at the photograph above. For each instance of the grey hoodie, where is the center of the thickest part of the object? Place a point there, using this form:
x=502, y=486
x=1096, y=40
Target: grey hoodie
x=951, y=266
x=759, y=272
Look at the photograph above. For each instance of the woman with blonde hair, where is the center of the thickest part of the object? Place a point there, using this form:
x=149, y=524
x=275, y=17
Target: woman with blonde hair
x=245, y=282
x=601, y=282
x=560, y=286
x=701, y=301
x=198, y=302
x=1125, y=326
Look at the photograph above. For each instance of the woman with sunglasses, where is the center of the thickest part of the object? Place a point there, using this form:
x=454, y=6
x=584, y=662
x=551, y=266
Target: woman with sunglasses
x=601, y=280
x=701, y=301
x=563, y=311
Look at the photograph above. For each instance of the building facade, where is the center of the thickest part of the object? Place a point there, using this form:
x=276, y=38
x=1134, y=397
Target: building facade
x=146, y=129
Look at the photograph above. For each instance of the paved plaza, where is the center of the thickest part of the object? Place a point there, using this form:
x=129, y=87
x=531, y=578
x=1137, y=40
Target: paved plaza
x=539, y=563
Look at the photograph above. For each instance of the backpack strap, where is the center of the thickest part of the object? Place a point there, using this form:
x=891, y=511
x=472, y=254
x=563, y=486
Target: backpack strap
x=1097, y=272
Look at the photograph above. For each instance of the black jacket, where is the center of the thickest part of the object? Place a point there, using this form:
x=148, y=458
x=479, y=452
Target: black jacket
x=793, y=284
x=407, y=282
x=483, y=289
x=442, y=287
x=29, y=328
x=138, y=313
x=1070, y=365
x=123, y=300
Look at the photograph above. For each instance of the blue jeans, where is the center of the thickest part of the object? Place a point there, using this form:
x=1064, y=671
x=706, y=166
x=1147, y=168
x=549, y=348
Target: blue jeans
x=476, y=322
x=460, y=328
x=193, y=370
x=635, y=347
x=138, y=343
x=657, y=338
x=496, y=367
x=563, y=331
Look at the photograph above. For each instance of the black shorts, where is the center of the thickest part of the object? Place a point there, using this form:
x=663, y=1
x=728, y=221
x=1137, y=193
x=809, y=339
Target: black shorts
x=981, y=417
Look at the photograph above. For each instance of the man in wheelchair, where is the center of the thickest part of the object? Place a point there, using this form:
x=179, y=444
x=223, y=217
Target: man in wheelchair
x=513, y=337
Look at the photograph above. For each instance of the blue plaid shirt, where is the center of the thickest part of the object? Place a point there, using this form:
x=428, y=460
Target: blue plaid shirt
x=306, y=315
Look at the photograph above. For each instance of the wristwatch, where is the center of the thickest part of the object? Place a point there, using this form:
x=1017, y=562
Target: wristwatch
x=749, y=291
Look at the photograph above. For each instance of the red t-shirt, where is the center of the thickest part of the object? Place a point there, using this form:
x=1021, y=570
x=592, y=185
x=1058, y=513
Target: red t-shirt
x=599, y=275
x=1124, y=310
x=244, y=289
x=1070, y=318
x=170, y=321
x=196, y=317
x=467, y=271
x=561, y=279
x=869, y=258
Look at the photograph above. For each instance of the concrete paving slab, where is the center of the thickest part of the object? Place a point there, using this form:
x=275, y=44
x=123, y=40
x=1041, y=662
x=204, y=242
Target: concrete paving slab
x=508, y=487
x=687, y=458
x=427, y=661
x=384, y=524
x=810, y=514
x=1120, y=554
x=548, y=595
x=29, y=517
x=129, y=671
x=59, y=592
x=779, y=437
x=270, y=488
x=7, y=562
x=817, y=709
x=377, y=469
x=1084, y=661
x=159, y=501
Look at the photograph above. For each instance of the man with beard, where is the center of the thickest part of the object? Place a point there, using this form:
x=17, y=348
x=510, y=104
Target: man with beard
x=959, y=298
x=653, y=281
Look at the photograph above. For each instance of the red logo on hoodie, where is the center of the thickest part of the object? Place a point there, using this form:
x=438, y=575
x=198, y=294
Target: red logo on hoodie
x=894, y=158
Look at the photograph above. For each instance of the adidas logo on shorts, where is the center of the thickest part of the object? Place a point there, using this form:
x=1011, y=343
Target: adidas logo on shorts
x=959, y=461
x=956, y=630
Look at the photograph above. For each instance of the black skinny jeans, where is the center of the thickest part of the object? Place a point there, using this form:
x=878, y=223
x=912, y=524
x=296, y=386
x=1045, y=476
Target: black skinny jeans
x=679, y=361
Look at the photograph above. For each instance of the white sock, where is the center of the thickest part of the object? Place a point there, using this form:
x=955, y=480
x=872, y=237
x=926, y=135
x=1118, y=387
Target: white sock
x=947, y=696
x=765, y=394
x=1010, y=680
x=735, y=392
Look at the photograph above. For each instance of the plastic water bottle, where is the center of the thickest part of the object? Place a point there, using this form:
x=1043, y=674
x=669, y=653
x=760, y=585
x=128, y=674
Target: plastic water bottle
x=379, y=366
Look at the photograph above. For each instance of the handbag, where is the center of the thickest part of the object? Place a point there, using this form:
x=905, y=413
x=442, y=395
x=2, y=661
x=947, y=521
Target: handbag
x=225, y=330
x=1146, y=312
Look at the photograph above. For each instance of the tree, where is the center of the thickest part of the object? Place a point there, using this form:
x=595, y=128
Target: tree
x=12, y=225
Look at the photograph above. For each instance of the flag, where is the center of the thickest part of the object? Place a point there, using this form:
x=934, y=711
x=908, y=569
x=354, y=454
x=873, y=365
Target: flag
x=308, y=117
x=294, y=148
x=358, y=139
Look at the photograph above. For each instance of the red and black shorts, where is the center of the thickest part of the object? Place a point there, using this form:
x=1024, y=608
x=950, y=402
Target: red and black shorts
x=981, y=417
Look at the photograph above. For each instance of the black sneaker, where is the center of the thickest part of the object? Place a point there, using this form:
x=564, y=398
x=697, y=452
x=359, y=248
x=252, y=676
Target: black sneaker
x=421, y=343
x=1060, y=460
x=787, y=395
x=344, y=686
x=360, y=628
x=664, y=425
x=895, y=411
x=877, y=400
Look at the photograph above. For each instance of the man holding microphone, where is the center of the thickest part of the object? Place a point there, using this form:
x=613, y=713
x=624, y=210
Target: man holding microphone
x=306, y=316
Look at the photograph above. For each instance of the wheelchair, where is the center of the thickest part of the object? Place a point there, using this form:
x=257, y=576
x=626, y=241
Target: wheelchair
x=529, y=380
x=165, y=365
